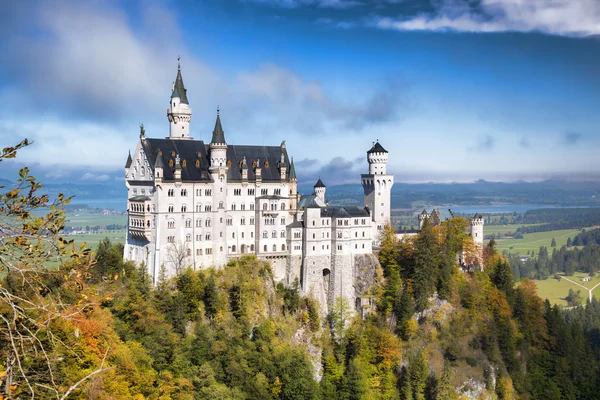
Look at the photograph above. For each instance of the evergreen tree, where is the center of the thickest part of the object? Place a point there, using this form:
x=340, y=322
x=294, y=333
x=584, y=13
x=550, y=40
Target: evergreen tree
x=553, y=244
x=426, y=266
x=418, y=371
x=445, y=388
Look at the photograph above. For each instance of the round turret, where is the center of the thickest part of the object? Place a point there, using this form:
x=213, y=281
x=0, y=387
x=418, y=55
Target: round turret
x=477, y=222
x=377, y=157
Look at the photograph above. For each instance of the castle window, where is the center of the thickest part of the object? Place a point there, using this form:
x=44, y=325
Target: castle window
x=198, y=238
x=277, y=192
x=251, y=206
x=251, y=247
x=265, y=234
x=274, y=234
x=297, y=235
x=264, y=192
x=237, y=192
x=243, y=207
x=339, y=235
x=355, y=234
x=233, y=207
x=170, y=239
x=184, y=163
x=207, y=207
x=188, y=238
x=265, y=248
x=282, y=207
x=313, y=248
x=208, y=192
x=233, y=249
x=282, y=221
x=313, y=236
x=363, y=245
x=243, y=221
x=183, y=208
x=356, y=246
x=283, y=247
x=274, y=247
x=207, y=237
x=183, y=192
x=170, y=162
x=199, y=223
x=229, y=221
x=188, y=223
x=265, y=207
x=221, y=204
x=282, y=234
x=363, y=234
x=207, y=223
x=208, y=251
x=339, y=247
x=171, y=208
x=199, y=252
x=252, y=221
x=313, y=223
x=197, y=163
x=171, y=192
x=198, y=192
x=199, y=207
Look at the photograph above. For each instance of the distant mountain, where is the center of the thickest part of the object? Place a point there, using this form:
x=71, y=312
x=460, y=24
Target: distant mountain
x=5, y=182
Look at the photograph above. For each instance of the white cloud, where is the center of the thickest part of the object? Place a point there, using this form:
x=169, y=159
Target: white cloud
x=577, y=18
x=318, y=3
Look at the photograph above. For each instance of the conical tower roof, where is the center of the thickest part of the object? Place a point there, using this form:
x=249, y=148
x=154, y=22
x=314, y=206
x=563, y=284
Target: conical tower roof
x=179, y=89
x=319, y=184
x=292, y=170
x=218, y=136
x=129, y=161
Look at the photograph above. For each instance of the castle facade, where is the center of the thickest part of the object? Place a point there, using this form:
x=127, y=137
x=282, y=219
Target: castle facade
x=199, y=205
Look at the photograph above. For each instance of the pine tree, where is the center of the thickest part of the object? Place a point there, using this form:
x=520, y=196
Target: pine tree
x=553, y=244
x=426, y=265
x=445, y=388
x=418, y=371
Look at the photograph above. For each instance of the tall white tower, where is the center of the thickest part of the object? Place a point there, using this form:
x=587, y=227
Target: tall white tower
x=179, y=111
x=218, y=169
x=477, y=229
x=377, y=186
x=320, y=190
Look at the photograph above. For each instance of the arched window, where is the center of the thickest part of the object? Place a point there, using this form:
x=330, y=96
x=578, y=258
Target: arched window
x=188, y=223
x=207, y=207
x=208, y=222
x=233, y=206
x=274, y=234
x=199, y=207
x=171, y=224
x=265, y=234
x=183, y=208
x=171, y=208
x=265, y=206
x=251, y=247
x=282, y=234
x=188, y=238
x=199, y=223
x=221, y=204
x=282, y=207
x=265, y=248
x=273, y=207
x=283, y=247
x=233, y=248
x=274, y=247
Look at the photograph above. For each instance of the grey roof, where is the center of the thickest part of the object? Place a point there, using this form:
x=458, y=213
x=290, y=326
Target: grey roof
x=477, y=216
x=139, y=198
x=178, y=89
x=191, y=151
x=158, y=163
x=292, y=170
x=319, y=183
x=296, y=224
x=377, y=148
x=218, y=133
x=129, y=161
x=308, y=201
x=424, y=212
x=344, y=212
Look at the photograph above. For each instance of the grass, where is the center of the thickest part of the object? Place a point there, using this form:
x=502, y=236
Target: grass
x=85, y=218
x=533, y=241
x=92, y=239
x=556, y=291
x=502, y=229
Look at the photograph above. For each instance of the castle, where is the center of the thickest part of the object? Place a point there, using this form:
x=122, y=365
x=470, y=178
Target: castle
x=192, y=204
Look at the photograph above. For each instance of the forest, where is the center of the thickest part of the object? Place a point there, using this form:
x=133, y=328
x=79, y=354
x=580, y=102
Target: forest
x=80, y=324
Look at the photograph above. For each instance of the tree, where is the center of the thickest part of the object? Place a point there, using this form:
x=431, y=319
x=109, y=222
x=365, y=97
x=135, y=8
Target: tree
x=553, y=244
x=426, y=266
x=43, y=291
x=178, y=255
x=569, y=242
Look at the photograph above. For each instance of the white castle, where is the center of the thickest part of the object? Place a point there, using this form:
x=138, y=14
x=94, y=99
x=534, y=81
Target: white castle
x=199, y=205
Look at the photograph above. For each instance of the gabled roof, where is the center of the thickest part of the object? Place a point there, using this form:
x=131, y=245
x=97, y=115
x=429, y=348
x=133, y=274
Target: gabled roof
x=377, y=148
x=344, y=212
x=319, y=184
x=129, y=161
x=191, y=151
x=178, y=88
x=218, y=136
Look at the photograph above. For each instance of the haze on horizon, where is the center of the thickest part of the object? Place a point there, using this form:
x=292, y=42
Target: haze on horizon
x=455, y=90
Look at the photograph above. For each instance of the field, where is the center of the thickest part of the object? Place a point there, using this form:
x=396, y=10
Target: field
x=92, y=239
x=533, y=241
x=86, y=218
x=502, y=229
x=556, y=291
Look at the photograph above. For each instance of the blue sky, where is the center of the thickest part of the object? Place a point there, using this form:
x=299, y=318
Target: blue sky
x=455, y=90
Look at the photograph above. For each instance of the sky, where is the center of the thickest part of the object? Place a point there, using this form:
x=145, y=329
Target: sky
x=455, y=90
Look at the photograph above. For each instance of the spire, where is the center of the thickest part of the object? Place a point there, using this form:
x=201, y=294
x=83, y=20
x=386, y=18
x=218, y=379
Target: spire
x=244, y=163
x=178, y=89
x=218, y=134
x=129, y=161
x=158, y=163
x=292, y=170
x=319, y=184
x=377, y=148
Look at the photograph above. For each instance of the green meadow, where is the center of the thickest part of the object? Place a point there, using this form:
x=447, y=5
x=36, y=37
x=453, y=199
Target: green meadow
x=556, y=291
x=533, y=241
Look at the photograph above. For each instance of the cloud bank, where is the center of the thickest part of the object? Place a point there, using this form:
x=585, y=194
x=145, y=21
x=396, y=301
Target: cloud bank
x=578, y=18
